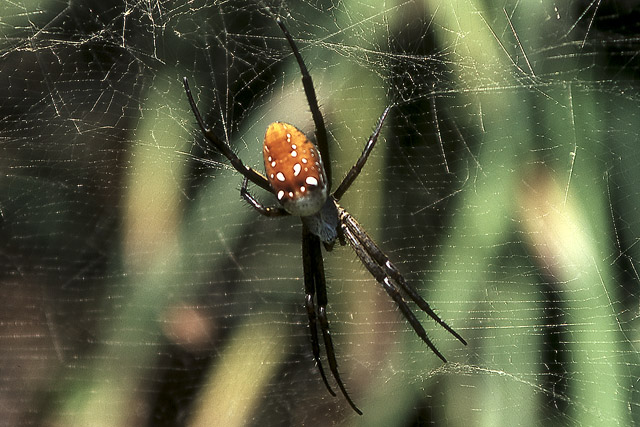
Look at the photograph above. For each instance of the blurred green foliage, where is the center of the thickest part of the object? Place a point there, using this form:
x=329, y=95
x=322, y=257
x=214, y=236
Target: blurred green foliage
x=141, y=290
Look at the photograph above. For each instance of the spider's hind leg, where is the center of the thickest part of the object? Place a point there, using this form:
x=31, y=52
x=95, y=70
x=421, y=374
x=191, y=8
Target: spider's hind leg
x=310, y=291
x=315, y=284
x=391, y=289
x=390, y=278
x=389, y=270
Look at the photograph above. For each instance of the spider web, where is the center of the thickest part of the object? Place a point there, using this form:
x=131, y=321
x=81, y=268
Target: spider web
x=140, y=290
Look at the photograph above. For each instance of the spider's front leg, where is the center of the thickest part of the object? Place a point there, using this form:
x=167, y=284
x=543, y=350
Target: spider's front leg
x=247, y=172
x=254, y=203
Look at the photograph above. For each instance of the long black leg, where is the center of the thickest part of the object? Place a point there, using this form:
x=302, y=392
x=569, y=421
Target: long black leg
x=312, y=257
x=389, y=287
x=318, y=120
x=254, y=203
x=253, y=176
x=355, y=170
x=390, y=270
x=310, y=291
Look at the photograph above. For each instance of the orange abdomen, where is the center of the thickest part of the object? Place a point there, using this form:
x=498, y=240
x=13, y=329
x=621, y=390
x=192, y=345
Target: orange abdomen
x=294, y=169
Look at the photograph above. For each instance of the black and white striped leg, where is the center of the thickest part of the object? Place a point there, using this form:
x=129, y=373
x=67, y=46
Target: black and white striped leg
x=391, y=271
x=390, y=288
x=388, y=276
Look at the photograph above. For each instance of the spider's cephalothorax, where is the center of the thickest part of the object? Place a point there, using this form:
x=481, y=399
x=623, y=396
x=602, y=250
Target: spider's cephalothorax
x=301, y=183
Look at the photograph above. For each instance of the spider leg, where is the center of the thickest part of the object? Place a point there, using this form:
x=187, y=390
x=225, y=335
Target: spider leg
x=254, y=203
x=355, y=170
x=310, y=291
x=249, y=173
x=312, y=100
x=391, y=289
x=314, y=281
x=391, y=271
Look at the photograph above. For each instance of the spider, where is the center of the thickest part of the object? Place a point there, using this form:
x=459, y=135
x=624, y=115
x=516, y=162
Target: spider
x=298, y=173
